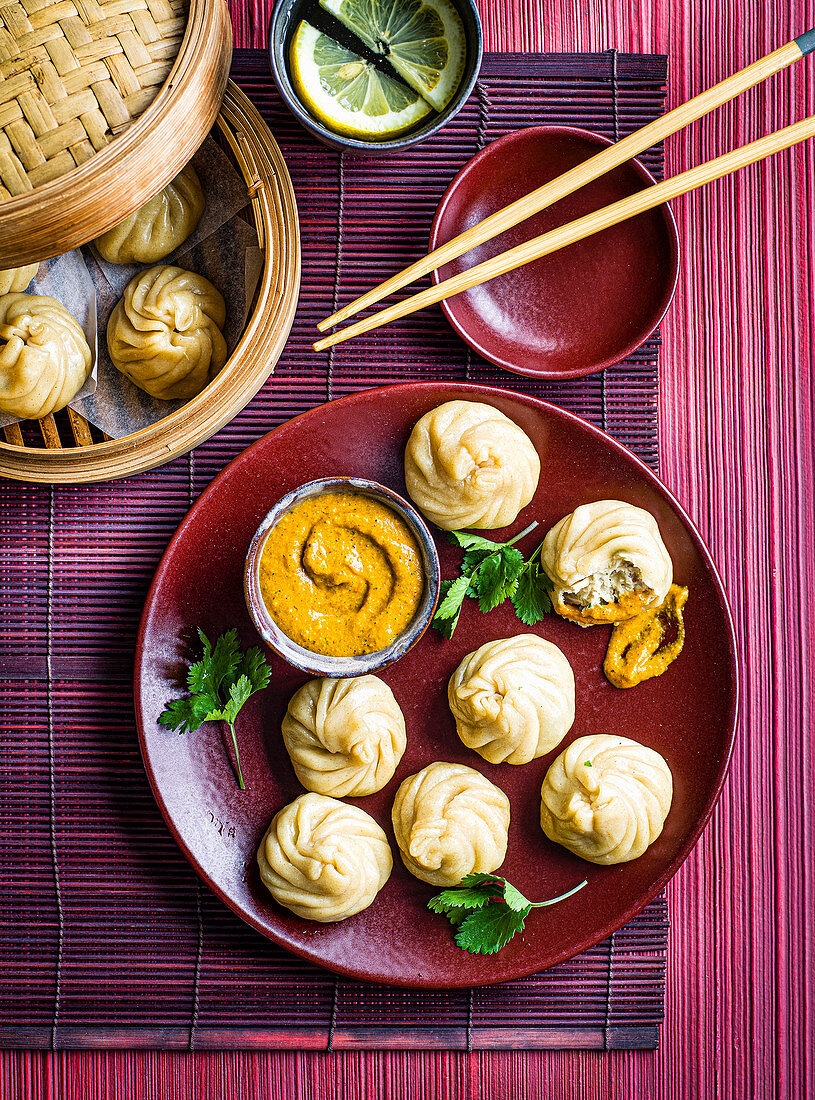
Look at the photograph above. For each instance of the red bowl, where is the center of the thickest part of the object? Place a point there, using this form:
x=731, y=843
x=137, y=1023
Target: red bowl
x=578, y=310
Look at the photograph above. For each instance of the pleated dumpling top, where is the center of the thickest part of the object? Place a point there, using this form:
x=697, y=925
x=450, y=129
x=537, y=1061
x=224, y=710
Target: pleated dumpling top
x=345, y=737
x=606, y=798
x=468, y=465
x=450, y=821
x=44, y=356
x=323, y=859
x=513, y=699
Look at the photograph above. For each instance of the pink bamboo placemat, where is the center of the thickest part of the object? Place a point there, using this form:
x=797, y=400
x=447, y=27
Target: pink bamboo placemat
x=106, y=936
x=736, y=432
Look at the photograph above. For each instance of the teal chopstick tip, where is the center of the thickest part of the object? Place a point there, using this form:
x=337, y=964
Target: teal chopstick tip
x=806, y=42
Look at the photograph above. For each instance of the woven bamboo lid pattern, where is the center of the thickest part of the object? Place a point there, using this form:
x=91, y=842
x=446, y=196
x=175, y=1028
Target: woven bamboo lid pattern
x=74, y=76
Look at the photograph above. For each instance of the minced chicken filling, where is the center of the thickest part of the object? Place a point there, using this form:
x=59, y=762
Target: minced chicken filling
x=607, y=587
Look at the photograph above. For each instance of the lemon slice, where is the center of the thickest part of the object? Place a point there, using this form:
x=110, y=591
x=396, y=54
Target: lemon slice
x=423, y=40
x=346, y=93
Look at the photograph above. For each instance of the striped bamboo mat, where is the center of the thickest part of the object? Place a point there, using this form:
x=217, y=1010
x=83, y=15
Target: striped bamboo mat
x=106, y=936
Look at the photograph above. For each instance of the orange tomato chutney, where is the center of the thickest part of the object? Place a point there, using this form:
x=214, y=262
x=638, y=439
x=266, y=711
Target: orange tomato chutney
x=341, y=574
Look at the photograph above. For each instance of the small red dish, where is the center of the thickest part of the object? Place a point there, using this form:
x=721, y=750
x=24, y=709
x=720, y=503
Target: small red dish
x=687, y=714
x=581, y=309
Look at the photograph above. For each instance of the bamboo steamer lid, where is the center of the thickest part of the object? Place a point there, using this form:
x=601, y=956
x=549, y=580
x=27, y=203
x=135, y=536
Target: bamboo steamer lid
x=102, y=102
x=64, y=449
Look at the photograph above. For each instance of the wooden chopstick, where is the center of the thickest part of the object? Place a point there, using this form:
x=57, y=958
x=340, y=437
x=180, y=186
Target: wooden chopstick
x=584, y=173
x=583, y=227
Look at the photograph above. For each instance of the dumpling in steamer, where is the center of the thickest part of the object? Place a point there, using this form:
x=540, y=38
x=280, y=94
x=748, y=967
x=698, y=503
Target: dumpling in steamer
x=450, y=821
x=513, y=699
x=344, y=737
x=607, y=562
x=15, y=279
x=323, y=859
x=44, y=356
x=468, y=465
x=165, y=332
x=606, y=798
x=159, y=227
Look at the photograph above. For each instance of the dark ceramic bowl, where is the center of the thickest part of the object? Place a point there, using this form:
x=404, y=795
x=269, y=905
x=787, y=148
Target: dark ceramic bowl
x=578, y=310
x=320, y=664
x=282, y=25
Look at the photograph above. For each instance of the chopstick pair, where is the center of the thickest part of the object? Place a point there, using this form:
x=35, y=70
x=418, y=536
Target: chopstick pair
x=571, y=181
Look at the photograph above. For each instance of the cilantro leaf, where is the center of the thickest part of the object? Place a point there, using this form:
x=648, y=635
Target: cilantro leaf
x=472, y=559
x=479, y=878
x=453, y=598
x=219, y=683
x=461, y=898
x=449, y=609
x=515, y=899
x=498, y=577
x=486, y=911
x=185, y=715
x=239, y=692
x=493, y=572
x=468, y=541
x=488, y=930
x=253, y=666
x=531, y=596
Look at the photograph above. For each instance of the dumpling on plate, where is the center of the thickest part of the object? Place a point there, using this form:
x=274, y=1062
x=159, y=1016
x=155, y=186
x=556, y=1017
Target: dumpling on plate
x=44, y=356
x=450, y=821
x=159, y=227
x=344, y=737
x=606, y=798
x=323, y=859
x=607, y=562
x=513, y=699
x=164, y=333
x=468, y=465
x=15, y=279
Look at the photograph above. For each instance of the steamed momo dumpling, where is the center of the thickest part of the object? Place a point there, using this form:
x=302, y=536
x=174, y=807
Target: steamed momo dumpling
x=165, y=332
x=344, y=737
x=15, y=279
x=323, y=859
x=157, y=228
x=513, y=699
x=607, y=562
x=606, y=798
x=44, y=356
x=468, y=465
x=450, y=821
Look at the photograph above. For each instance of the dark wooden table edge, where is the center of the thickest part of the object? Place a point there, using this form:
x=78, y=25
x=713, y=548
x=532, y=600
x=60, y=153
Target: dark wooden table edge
x=324, y=1039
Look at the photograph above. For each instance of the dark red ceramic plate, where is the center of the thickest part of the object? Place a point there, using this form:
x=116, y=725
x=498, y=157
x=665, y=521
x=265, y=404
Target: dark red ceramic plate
x=582, y=308
x=687, y=714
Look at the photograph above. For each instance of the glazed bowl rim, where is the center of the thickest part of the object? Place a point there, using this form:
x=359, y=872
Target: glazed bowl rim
x=321, y=664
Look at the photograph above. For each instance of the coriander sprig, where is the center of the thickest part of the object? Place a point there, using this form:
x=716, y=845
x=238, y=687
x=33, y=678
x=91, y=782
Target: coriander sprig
x=219, y=684
x=492, y=572
x=487, y=911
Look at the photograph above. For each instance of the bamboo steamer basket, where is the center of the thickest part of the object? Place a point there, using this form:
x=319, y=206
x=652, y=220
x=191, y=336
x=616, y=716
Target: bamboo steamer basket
x=102, y=102
x=70, y=455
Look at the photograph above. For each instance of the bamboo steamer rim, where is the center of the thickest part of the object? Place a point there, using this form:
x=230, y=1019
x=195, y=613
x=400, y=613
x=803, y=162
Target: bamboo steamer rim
x=85, y=202
x=275, y=213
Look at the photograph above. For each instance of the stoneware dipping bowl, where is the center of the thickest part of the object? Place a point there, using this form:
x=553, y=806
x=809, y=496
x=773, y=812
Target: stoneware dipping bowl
x=319, y=664
x=282, y=25
x=578, y=310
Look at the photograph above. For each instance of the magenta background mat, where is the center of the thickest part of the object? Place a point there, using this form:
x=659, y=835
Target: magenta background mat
x=106, y=936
